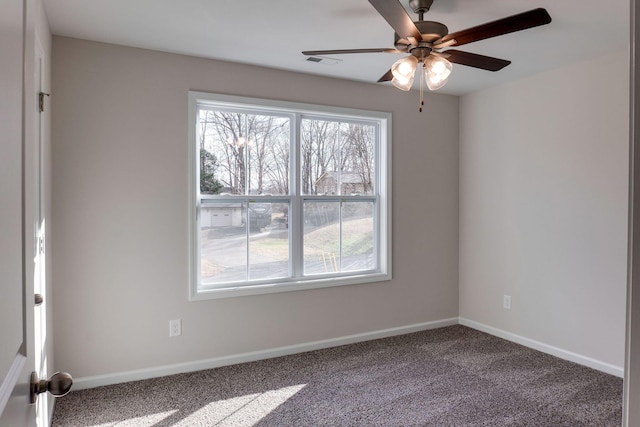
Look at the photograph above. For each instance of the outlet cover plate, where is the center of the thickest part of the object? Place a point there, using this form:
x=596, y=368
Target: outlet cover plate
x=506, y=302
x=175, y=328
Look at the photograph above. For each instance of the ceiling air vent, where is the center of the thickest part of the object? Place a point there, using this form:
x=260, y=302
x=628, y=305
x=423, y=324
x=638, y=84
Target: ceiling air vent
x=323, y=60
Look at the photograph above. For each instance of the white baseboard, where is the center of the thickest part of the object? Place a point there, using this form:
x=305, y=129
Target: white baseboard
x=198, y=365
x=545, y=348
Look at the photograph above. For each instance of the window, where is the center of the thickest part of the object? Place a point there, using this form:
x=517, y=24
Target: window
x=286, y=196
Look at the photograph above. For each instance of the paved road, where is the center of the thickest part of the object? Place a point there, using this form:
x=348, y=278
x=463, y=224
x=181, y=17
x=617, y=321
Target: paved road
x=226, y=248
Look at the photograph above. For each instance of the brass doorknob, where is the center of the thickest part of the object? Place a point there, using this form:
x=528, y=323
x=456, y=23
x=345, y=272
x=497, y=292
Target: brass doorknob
x=58, y=385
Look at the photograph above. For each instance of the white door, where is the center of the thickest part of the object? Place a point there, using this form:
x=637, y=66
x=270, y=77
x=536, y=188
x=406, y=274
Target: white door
x=15, y=362
x=40, y=126
x=22, y=229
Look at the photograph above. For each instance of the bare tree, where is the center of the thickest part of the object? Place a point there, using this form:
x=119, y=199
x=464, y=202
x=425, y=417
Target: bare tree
x=359, y=149
x=252, y=151
x=319, y=151
x=243, y=144
x=277, y=168
x=223, y=132
x=263, y=134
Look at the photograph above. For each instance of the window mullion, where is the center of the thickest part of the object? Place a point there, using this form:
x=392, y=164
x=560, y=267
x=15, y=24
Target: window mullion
x=248, y=238
x=295, y=210
x=340, y=232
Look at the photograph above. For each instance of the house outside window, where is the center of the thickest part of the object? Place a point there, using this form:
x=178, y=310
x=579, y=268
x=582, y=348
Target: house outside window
x=349, y=182
x=286, y=196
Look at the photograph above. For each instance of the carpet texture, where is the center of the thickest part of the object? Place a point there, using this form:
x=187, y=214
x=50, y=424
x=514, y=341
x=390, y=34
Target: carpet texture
x=453, y=376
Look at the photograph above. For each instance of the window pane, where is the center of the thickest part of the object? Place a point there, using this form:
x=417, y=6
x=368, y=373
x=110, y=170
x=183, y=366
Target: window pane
x=225, y=232
x=358, y=157
x=223, y=243
x=337, y=158
x=357, y=236
x=243, y=153
x=268, y=241
x=321, y=237
x=319, y=154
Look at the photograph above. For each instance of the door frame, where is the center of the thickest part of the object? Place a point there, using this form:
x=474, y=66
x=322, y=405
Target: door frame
x=631, y=409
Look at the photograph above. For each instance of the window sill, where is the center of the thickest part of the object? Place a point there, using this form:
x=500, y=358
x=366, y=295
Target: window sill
x=261, y=289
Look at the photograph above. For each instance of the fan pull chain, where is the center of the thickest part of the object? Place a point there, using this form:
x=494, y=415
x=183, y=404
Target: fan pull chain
x=421, y=88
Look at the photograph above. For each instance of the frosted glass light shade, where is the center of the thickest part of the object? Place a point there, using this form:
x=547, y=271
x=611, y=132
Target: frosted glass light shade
x=404, y=71
x=436, y=72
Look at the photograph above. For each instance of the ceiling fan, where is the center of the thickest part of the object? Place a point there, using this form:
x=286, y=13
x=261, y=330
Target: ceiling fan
x=423, y=40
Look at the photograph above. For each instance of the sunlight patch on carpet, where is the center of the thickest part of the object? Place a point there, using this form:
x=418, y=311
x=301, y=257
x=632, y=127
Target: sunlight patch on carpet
x=146, y=420
x=244, y=410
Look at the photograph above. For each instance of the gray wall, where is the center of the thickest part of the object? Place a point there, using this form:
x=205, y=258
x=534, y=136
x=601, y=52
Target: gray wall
x=543, y=207
x=120, y=214
x=543, y=212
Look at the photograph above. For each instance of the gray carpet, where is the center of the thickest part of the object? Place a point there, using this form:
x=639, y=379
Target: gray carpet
x=453, y=376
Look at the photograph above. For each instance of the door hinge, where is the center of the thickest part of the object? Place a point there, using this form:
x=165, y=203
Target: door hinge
x=41, y=96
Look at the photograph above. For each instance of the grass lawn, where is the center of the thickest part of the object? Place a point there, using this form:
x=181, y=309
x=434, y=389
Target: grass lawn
x=357, y=239
x=319, y=245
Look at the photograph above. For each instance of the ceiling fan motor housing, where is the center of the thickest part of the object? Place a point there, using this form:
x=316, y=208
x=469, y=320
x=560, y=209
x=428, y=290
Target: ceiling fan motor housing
x=431, y=31
x=420, y=6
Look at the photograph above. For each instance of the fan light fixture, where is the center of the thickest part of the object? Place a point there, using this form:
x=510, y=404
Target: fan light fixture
x=435, y=73
x=404, y=71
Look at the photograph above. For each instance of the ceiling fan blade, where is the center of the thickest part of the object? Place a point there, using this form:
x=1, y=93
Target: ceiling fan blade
x=342, y=51
x=393, y=12
x=511, y=24
x=386, y=78
x=474, y=60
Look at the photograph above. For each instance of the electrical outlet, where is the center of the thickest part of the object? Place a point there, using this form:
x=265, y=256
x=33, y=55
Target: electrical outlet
x=175, y=328
x=506, y=302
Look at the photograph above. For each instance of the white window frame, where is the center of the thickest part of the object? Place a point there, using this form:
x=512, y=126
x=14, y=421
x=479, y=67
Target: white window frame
x=382, y=187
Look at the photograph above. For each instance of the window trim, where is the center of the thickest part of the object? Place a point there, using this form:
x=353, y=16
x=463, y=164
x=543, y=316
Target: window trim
x=383, y=182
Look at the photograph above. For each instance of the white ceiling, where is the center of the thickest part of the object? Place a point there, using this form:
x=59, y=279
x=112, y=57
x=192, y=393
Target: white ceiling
x=272, y=33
